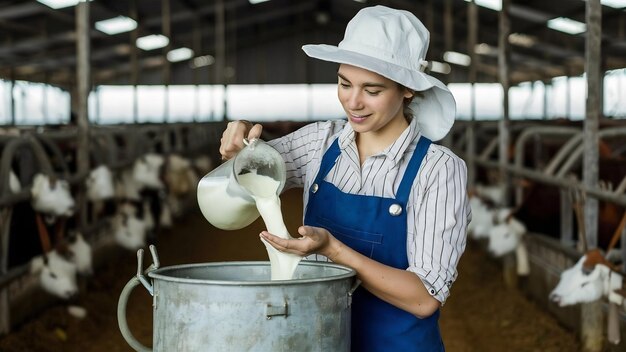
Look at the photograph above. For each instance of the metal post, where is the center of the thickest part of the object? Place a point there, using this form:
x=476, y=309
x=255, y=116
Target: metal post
x=568, y=97
x=592, y=321
x=11, y=92
x=545, y=100
x=448, y=37
x=44, y=99
x=509, y=266
x=167, y=69
x=472, y=13
x=430, y=16
x=97, y=102
x=83, y=75
x=220, y=49
x=503, y=71
x=197, y=49
x=590, y=135
x=134, y=59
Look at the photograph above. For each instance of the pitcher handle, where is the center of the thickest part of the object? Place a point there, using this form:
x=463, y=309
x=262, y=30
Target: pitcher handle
x=121, y=316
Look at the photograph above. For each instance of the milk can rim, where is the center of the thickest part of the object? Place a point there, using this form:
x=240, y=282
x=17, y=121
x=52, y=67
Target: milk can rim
x=156, y=274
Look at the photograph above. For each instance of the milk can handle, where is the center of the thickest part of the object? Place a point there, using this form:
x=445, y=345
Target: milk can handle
x=123, y=301
x=121, y=316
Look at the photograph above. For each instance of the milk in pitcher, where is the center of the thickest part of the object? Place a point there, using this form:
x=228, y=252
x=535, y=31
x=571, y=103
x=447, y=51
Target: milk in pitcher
x=213, y=198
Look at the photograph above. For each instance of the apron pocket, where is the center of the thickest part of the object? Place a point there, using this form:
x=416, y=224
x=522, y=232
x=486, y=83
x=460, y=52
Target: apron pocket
x=362, y=241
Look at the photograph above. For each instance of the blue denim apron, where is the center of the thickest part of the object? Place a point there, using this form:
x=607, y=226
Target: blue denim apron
x=375, y=227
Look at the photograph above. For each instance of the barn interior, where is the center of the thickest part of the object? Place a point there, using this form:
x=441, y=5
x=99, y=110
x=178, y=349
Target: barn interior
x=540, y=125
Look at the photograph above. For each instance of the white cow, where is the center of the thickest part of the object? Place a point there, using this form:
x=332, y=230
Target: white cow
x=580, y=285
x=506, y=237
x=100, y=184
x=180, y=177
x=506, y=234
x=492, y=193
x=51, y=197
x=129, y=231
x=81, y=254
x=126, y=187
x=203, y=164
x=482, y=219
x=147, y=171
x=57, y=275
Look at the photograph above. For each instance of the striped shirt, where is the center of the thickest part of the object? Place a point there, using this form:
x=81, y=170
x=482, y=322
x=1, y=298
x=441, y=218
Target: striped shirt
x=437, y=211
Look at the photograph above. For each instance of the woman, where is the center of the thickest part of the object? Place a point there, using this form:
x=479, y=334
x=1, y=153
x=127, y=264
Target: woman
x=379, y=196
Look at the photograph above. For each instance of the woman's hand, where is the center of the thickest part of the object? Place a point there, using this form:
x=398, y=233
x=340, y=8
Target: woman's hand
x=314, y=240
x=232, y=138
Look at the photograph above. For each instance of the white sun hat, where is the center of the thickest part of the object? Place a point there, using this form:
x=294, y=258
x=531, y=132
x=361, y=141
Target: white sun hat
x=393, y=43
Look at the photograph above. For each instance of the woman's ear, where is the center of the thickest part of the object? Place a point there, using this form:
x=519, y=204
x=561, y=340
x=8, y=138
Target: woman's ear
x=408, y=93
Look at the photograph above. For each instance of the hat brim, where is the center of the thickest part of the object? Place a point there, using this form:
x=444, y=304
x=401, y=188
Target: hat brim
x=437, y=100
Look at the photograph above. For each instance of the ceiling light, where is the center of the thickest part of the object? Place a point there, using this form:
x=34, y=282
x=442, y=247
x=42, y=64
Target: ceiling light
x=254, y=2
x=495, y=5
x=179, y=54
x=567, y=25
x=59, y=4
x=616, y=4
x=200, y=61
x=119, y=24
x=457, y=58
x=151, y=42
x=440, y=67
x=520, y=39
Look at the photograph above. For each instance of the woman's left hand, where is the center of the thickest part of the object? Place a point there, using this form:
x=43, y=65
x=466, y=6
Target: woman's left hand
x=314, y=240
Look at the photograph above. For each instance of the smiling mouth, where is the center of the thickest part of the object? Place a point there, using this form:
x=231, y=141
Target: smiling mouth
x=358, y=118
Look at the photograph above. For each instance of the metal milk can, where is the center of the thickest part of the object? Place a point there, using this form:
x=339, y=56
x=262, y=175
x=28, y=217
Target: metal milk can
x=234, y=306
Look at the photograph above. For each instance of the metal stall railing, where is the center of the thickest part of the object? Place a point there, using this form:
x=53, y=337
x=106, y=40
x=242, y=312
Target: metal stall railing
x=550, y=255
x=114, y=146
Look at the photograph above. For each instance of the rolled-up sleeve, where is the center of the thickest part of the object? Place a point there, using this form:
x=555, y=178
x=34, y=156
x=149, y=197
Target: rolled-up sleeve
x=438, y=213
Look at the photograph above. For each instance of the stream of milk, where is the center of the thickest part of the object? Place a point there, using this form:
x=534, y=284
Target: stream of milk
x=263, y=190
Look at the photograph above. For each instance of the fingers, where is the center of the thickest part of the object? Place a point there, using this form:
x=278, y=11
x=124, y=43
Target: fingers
x=255, y=131
x=292, y=246
x=309, y=231
x=232, y=138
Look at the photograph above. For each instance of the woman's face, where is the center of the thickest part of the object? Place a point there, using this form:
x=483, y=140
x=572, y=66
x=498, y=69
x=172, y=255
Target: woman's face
x=372, y=102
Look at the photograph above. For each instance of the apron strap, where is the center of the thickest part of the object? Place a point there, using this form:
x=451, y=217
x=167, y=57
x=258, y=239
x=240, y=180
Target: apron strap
x=328, y=160
x=411, y=170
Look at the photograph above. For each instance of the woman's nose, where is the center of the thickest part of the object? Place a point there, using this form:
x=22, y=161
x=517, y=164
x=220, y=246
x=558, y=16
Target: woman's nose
x=354, y=101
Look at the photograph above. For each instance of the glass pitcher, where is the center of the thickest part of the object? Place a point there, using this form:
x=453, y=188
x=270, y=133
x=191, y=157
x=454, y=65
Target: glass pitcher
x=223, y=200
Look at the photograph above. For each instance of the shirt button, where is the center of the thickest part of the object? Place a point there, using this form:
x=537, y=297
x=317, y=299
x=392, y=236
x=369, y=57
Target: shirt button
x=314, y=188
x=395, y=210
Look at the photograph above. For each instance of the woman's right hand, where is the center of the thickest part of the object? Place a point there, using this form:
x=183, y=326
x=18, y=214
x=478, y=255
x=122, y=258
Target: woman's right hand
x=232, y=138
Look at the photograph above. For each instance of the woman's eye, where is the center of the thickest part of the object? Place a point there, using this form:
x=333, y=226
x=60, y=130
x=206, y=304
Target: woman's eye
x=344, y=85
x=372, y=93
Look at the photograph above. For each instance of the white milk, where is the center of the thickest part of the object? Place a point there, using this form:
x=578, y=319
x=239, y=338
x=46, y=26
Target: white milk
x=263, y=190
x=213, y=200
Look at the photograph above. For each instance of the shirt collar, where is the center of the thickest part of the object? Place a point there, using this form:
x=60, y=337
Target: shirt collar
x=395, y=151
